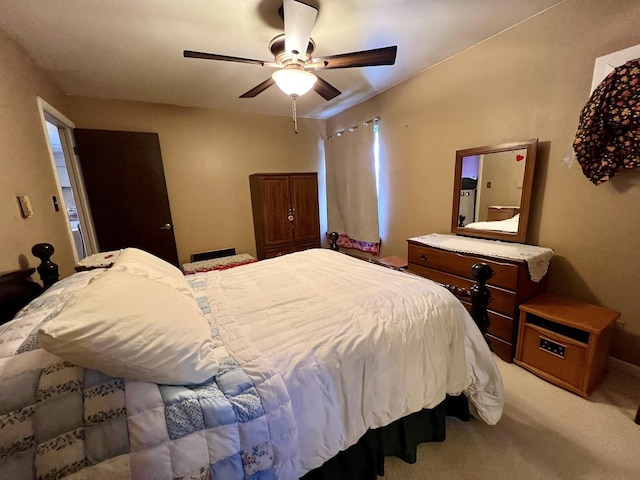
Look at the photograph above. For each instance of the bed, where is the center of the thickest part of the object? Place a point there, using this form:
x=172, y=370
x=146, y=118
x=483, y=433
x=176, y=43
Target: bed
x=273, y=369
x=508, y=225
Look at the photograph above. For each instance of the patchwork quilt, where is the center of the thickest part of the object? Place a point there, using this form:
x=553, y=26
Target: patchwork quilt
x=58, y=420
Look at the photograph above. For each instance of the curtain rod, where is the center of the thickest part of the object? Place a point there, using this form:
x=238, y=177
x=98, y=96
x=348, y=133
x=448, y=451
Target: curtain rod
x=353, y=128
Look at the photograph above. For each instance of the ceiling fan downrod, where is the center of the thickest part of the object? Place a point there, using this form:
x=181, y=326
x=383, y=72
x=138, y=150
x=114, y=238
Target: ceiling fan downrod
x=294, y=114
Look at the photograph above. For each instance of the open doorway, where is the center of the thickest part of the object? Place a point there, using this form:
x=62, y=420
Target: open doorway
x=72, y=199
x=64, y=182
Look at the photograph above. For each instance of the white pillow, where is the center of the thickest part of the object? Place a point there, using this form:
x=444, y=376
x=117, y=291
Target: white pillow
x=133, y=327
x=139, y=262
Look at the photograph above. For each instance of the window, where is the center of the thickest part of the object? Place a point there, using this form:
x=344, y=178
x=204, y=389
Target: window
x=352, y=186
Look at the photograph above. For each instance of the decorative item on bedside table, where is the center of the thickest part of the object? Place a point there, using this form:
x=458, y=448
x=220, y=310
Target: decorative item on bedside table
x=333, y=241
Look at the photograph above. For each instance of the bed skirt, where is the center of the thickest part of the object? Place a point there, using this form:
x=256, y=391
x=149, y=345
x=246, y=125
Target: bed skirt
x=365, y=459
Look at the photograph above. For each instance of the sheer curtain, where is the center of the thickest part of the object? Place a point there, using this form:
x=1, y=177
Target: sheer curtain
x=352, y=199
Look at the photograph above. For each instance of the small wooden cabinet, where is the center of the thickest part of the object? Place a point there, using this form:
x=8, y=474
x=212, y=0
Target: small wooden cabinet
x=286, y=218
x=564, y=341
x=496, y=213
x=510, y=286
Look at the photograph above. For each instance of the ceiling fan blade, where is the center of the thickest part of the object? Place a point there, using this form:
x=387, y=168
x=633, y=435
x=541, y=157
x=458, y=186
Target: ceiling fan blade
x=298, y=22
x=215, y=56
x=325, y=89
x=365, y=58
x=258, y=88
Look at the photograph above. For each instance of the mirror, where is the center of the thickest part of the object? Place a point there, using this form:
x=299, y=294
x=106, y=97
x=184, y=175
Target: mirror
x=492, y=191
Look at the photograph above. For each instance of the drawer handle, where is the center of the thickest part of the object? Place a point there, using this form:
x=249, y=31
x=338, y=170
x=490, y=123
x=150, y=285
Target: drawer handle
x=457, y=291
x=423, y=256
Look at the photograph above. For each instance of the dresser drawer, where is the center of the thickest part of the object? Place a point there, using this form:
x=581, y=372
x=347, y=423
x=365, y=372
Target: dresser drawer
x=499, y=334
x=501, y=326
x=505, y=273
x=502, y=301
x=505, y=350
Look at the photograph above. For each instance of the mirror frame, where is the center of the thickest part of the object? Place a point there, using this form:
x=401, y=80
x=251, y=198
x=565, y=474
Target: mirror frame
x=525, y=201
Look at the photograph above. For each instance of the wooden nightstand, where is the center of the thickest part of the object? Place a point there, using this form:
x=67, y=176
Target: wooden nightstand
x=396, y=262
x=564, y=341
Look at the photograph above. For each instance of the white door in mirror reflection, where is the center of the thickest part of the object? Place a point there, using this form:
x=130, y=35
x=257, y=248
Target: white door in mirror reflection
x=467, y=206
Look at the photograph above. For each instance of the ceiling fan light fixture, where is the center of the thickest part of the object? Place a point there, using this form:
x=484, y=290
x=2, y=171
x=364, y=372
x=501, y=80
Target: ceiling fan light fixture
x=294, y=81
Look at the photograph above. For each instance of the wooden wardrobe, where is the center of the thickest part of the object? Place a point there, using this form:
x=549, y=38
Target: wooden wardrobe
x=285, y=212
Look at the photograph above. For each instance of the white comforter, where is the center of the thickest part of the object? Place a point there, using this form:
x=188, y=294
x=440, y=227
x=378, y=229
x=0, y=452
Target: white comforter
x=357, y=345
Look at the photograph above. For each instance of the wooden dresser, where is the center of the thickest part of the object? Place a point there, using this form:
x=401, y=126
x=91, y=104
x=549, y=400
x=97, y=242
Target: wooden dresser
x=510, y=286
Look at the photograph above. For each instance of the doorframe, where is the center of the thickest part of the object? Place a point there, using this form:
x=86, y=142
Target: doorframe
x=50, y=114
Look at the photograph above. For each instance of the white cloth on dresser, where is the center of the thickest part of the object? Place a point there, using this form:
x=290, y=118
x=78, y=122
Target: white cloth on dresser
x=537, y=258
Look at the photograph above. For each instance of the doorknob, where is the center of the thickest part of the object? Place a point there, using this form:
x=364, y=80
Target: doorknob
x=166, y=226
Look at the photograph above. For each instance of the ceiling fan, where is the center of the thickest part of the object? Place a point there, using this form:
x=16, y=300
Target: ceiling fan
x=293, y=58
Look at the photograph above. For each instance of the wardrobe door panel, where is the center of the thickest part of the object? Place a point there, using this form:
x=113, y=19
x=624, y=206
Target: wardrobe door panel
x=304, y=200
x=275, y=208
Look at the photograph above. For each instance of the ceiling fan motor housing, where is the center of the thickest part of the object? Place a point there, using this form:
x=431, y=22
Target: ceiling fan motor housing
x=282, y=57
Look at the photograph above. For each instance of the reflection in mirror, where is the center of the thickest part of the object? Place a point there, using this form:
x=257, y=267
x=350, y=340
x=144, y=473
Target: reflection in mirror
x=498, y=195
x=492, y=191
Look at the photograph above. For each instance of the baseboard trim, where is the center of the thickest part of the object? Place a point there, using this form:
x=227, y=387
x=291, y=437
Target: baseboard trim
x=626, y=367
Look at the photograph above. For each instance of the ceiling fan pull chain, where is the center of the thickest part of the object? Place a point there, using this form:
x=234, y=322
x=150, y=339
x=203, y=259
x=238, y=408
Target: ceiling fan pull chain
x=294, y=114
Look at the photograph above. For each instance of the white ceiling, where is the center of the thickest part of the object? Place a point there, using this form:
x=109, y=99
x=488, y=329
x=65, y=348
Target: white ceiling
x=132, y=50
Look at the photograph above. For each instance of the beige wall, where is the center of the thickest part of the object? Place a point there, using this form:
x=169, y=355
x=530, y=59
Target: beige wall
x=208, y=156
x=531, y=81
x=25, y=165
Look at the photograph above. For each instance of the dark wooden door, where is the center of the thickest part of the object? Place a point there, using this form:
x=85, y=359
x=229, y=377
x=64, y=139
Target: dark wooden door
x=126, y=189
x=304, y=200
x=276, y=205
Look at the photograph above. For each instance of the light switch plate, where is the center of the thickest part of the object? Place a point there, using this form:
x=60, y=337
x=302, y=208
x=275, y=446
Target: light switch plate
x=25, y=206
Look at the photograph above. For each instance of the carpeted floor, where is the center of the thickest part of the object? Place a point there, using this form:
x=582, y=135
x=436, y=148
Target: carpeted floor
x=545, y=433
